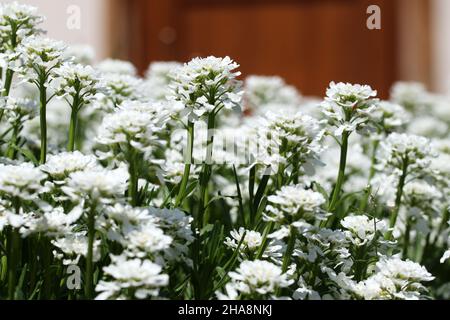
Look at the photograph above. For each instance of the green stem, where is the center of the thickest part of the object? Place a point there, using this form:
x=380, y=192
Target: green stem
x=14, y=252
x=73, y=128
x=11, y=152
x=398, y=198
x=187, y=165
x=43, y=122
x=47, y=262
x=89, y=285
x=206, y=171
x=133, y=181
x=290, y=248
x=6, y=88
x=341, y=173
x=8, y=82
x=406, y=239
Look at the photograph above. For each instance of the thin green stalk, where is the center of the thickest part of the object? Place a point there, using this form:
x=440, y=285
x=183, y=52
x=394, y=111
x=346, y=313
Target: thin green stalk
x=290, y=248
x=341, y=173
x=133, y=180
x=89, y=277
x=73, y=123
x=206, y=171
x=11, y=151
x=47, y=262
x=43, y=122
x=14, y=255
x=406, y=239
x=398, y=198
x=187, y=165
x=6, y=88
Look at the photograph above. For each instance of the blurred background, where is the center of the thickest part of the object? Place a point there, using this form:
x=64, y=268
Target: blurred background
x=307, y=42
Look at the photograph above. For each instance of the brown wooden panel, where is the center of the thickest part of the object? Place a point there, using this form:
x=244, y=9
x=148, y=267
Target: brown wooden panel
x=308, y=42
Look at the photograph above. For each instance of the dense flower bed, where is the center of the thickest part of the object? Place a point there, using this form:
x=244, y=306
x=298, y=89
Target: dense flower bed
x=189, y=183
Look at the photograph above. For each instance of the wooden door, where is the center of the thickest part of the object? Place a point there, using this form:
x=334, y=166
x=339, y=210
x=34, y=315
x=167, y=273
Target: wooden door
x=307, y=42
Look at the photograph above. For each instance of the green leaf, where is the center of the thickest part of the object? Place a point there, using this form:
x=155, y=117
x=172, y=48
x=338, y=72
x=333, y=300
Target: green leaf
x=27, y=154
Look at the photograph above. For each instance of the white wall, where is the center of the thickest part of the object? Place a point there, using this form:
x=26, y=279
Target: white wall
x=440, y=20
x=93, y=22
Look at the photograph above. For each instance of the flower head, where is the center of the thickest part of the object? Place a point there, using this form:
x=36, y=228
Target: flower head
x=348, y=106
x=206, y=85
x=263, y=90
x=22, y=181
x=256, y=279
x=97, y=184
x=60, y=166
x=292, y=203
x=17, y=22
x=78, y=82
x=42, y=57
x=116, y=67
x=398, y=149
x=141, y=278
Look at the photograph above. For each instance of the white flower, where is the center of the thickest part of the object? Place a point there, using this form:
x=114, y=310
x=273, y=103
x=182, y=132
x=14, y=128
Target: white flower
x=133, y=126
x=252, y=240
x=80, y=53
x=60, y=166
x=73, y=246
x=116, y=67
x=362, y=229
x=97, y=184
x=394, y=279
x=22, y=181
x=348, y=106
x=147, y=239
x=78, y=82
x=42, y=56
x=428, y=126
x=205, y=85
x=53, y=223
x=119, y=88
x=141, y=277
x=421, y=191
x=403, y=270
x=411, y=95
x=17, y=21
x=286, y=135
x=263, y=90
x=19, y=110
x=292, y=203
x=177, y=225
x=445, y=256
x=398, y=149
x=391, y=115
x=258, y=278
x=160, y=71
x=158, y=77
x=251, y=243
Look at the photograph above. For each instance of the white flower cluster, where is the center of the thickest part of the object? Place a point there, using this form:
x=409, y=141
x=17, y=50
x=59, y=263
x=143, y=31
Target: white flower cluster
x=206, y=85
x=261, y=91
x=394, y=279
x=41, y=58
x=162, y=188
x=399, y=149
x=142, y=277
x=78, y=82
x=292, y=203
x=134, y=125
x=255, y=279
x=348, y=106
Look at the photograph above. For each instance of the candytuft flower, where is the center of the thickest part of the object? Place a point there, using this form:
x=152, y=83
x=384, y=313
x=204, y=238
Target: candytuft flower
x=348, y=106
x=132, y=278
x=206, y=85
